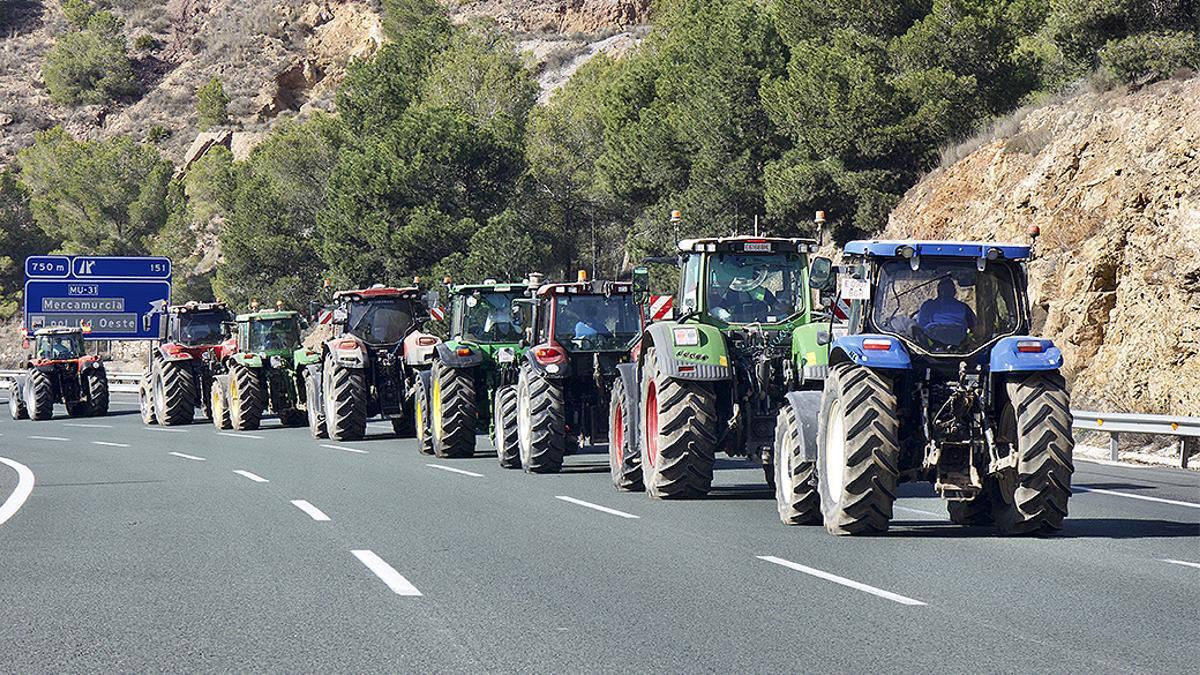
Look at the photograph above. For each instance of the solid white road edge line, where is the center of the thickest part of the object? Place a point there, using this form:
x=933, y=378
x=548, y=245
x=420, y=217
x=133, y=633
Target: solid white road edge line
x=180, y=454
x=87, y=426
x=342, y=447
x=111, y=445
x=454, y=470
x=238, y=435
x=20, y=494
x=849, y=583
x=1160, y=500
x=173, y=431
x=49, y=438
x=312, y=511
x=254, y=477
x=597, y=507
x=1166, y=560
x=387, y=573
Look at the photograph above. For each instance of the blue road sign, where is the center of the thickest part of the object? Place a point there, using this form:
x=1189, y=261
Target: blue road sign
x=111, y=298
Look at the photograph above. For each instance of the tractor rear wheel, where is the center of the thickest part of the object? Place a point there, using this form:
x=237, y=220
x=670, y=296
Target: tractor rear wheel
x=219, y=403
x=39, y=396
x=454, y=416
x=796, y=495
x=403, y=426
x=312, y=405
x=859, y=450
x=624, y=462
x=96, y=385
x=678, y=434
x=1036, y=502
x=421, y=413
x=146, y=401
x=174, y=394
x=975, y=512
x=16, y=401
x=504, y=427
x=292, y=417
x=247, y=400
x=345, y=402
x=541, y=422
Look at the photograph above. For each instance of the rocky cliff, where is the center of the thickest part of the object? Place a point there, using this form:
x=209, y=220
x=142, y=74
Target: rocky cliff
x=1113, y=181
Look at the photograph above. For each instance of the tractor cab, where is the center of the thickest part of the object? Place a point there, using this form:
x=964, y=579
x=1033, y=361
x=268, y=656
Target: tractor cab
x=269, y=333
x=197, y=324
x=583, y=318
x=745, y=280
x=380, y=315
x=58, y=344
x=484, y=313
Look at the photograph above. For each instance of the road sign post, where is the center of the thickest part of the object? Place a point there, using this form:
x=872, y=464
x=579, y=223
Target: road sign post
x=110, y=298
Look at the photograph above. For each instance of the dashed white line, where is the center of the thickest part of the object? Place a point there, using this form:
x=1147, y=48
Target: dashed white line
x=254, y=477
x=597, y=507
x=87, y=426
x=849, y=583
x=342, y=447
x=49, y=438
x=454, y=470
x=1159, y=500
x=237, y=435
x=180, y=454
x=312, y=511
x=173, y=431
x=25, y=482
x=111, y=445
x=1166, y=560
x=387, y=573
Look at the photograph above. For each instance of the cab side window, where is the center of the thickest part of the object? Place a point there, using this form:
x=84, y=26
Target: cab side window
x=689, y=285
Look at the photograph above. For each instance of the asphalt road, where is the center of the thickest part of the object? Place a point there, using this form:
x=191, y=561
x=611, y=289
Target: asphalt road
x=140, y=549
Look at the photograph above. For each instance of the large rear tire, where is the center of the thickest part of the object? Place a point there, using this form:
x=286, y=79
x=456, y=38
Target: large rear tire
x=504, y=427
x=624, y=461
x=247, y=400
x=96, y=386
x=454, y=416
x=678, y=434
x=541, y=422
x=1036, y=502
x=174, y=394
x=312, y=405
x=16, y=400
x=146, y=401
x=219, y=403
x=421, y=414
x=345, y=392
x=859, y=450
x=39, y=396
x=796, y=495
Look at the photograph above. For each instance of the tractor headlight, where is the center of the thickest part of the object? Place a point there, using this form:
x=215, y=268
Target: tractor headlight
x=276, y=362
x=687, y=337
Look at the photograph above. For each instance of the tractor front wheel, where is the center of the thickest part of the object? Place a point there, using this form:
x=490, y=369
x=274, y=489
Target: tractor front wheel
x=541, y=422
x=859, y=450
x=796, y=495
x=421, y=413
x=345, y=392
x=39, y=396
x=312, y=405
x=174, y=394
x=16, y=401
x=96, y=382
x=247, y=399
x=504, y=427
x=146, y=401
x=624, y=462
x=678, y=434
x=454, y=415
x=219, y=403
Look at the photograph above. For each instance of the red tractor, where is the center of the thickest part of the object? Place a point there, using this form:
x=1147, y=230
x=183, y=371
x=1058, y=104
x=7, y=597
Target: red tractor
x=60, y=371
x=178, y=374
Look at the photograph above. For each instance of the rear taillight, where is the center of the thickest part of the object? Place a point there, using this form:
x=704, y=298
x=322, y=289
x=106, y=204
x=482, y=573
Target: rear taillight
x=347, y=344
x=1031, y=346
x=548, y=354
x=426, y=341
x=877, y=344
x=464, y=351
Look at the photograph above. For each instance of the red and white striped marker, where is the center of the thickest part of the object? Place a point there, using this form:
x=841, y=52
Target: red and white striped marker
x=325, y=316
x=437, y=313
x=660, y=306
x=841, y=310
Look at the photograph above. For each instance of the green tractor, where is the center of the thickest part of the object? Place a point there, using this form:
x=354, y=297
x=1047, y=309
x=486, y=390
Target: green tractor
x=481, y=356
x=260, y=371
x=743, y=347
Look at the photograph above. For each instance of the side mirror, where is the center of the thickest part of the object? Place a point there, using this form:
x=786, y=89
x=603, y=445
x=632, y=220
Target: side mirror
x=823, y=337
x=432, y=299
x=821, y=275
x=641, y=280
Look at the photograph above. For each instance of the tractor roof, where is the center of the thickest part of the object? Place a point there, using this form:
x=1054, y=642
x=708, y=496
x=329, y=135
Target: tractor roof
x=377, y=291
x=955, y=249
x=268, y=315
x=594, y=287
x=498, y=287
x=193, y=306
x=748, y=245
x=58, y=330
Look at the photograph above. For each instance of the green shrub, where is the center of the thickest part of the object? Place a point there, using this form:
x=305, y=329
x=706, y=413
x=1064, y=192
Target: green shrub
x=78, y=12
x=145, y=42
x=157, y=133
x=212, y=105
x=87, y=67
x=1150, y=56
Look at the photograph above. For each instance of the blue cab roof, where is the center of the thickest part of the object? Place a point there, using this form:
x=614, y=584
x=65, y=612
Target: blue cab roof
x=957, y=249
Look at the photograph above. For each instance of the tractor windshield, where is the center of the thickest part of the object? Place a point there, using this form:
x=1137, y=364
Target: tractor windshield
x=381, y=320
x=62, y=346
x=274, y=335
x=747, y=288
x=947, y=306
x=596, y=322
x=488, y=317
x=199, y=328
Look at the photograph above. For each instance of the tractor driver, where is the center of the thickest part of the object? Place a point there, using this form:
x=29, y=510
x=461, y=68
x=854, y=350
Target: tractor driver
x=945, y=318
x=276, y=337
x=57, y=348
x=738, y=294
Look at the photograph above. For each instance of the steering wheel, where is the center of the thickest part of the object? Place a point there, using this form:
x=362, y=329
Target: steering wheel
x=948, y=335
x=587, y=342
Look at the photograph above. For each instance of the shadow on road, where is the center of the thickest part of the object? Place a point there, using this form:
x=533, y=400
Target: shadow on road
x=1073, y=528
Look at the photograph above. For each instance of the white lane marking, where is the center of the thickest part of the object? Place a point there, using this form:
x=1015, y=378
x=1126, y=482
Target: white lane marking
x=454, y=470
x=849, y=583
x=254, y=477
x=924, y=513
x=238, y=435
x=311, y=510
x=180, y=454
x=387, y=573
x=1173, y=562
x=87, y=426
x=342, y=447
x=174, y=431
x=49, y=438
x=111, y=445
x=20, y=494
x=1160, y=500
x=603, y=509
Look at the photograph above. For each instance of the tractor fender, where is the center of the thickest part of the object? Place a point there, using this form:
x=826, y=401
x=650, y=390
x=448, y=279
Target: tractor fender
x=1007, y=358
x=806, y=405
x=420, y=348
x=248, y=360
x=850, y=349
x=90, y=364
x=706, y=362
x=304, y=358
x=347, y=350
x=555, y=371
x=449, y=354
x=173, y=352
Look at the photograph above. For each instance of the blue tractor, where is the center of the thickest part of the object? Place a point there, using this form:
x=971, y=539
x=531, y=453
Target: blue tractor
x=933, y=378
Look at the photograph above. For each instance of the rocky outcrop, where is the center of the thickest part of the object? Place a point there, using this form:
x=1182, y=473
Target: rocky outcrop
x=1113, y=181
x=565, y=17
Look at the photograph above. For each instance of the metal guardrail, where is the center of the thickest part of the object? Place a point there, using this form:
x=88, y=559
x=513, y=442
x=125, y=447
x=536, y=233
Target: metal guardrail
x=119, y=382
x=1115, y=424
